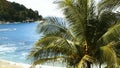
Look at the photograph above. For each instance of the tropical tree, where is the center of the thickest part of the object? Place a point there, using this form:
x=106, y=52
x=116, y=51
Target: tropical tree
x=89, y=34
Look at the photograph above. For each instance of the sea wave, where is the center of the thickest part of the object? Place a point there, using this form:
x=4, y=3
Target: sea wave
x=45, y=66
x=7, y=48
x=25, y=54
x=7, y=29
x=1, y=38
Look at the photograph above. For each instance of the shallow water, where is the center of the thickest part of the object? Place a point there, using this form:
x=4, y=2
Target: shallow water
x=16, y=41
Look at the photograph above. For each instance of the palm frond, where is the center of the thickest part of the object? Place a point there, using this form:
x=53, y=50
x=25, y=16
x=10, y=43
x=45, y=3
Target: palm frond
x=106, y=54
x=108, y=18
x=76, y=13
x=53, y=59
x=105, y=21
x=91, y=26
x=40, y=44
x=52, y=25
x=108, y=5
x=113, y=34
x=118, y=60
x=55, y=26
x=43, y=42
x=59, y=46
x=62, y=45
x=117, y=48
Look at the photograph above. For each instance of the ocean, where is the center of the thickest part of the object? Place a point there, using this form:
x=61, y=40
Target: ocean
x=16, y=41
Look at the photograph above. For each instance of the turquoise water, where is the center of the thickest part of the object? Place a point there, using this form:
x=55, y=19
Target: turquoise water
x=16, y=41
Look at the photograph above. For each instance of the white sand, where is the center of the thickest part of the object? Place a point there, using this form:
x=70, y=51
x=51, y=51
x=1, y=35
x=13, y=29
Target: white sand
x=10, y=64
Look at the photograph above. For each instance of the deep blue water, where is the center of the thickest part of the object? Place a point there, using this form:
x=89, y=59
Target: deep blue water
x=16, y=41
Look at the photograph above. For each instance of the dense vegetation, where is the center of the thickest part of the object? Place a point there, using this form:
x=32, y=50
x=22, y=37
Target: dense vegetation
x=14, y=12
x=89, y=34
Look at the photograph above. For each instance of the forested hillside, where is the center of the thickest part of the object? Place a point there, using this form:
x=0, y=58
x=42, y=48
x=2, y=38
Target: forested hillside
x=14, y=12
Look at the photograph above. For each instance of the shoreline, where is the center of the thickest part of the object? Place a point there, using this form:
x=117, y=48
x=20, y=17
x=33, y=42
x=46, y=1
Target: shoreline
x=7, y=22
x=10, y=64
x=18, y=22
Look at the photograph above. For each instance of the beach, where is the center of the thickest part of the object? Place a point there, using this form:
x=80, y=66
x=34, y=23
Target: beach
x=9, y=64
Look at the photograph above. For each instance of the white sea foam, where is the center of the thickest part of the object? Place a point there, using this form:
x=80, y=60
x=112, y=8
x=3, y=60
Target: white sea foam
x=25, y=54
x=22, y=43
x=6, y=48
x=7, y=29
x=45, y=66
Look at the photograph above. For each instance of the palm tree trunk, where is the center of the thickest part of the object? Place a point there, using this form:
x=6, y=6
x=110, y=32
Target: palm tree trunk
x=88, y=64
x=81, y=64
x=100, y=65
x=84, y=63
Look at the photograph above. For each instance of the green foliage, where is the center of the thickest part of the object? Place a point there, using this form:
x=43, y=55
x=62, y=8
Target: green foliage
x=14, y=12
x=89, y=34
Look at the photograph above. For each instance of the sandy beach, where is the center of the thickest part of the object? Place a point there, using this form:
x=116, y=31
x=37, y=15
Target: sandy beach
x=9, y=64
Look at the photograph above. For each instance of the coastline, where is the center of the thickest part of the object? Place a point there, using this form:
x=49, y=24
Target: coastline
x=10, y=64
x=8, y=22
x=14, y=22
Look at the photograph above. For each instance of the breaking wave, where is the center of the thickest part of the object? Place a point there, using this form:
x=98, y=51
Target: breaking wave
x=7, y=29
x=7, y=48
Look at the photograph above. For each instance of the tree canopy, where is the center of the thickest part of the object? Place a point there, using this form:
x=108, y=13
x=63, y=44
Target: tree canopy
x=14, y=12
x=89, y=34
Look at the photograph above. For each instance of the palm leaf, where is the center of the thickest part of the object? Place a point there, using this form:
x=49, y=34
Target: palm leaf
x=105, y=21
x=56, y=47
x=105, y=53
x=75, y=12
x=43, y=42
x=108, y=5
x=39, y=61
x=55, y=26
x=113, y=33
x=52, y=25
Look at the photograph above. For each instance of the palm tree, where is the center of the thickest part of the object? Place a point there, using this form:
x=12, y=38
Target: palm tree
x=89, y=34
